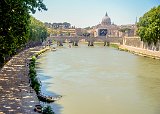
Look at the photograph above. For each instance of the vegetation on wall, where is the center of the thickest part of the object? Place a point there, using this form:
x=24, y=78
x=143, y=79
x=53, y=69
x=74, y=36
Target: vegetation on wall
x=35, y=83
x=47, y=110
x=149, y=26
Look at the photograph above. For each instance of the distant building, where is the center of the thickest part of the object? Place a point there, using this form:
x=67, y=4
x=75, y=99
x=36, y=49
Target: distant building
x=68, y=32
x=64, y=25
x=107, y=28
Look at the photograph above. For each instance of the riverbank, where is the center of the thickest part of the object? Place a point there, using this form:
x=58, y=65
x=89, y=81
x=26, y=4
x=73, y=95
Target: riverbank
x=15, y=92
x=140, y=51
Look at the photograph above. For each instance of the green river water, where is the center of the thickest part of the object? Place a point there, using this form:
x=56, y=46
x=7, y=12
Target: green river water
x=100, y=80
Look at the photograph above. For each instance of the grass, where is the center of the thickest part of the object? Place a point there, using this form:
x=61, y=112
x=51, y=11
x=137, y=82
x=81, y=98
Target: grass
x=114, y=45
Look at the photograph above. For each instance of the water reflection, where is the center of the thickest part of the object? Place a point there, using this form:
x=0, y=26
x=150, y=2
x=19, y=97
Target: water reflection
x=101, y=80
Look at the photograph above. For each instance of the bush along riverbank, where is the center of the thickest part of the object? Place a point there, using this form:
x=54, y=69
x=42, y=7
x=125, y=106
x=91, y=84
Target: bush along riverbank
x=36, y=85
x=34, y=81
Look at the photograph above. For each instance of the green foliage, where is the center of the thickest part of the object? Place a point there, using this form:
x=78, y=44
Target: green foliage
x=33, y=59
x=88, y=28
x=13, y=27
x=14, y=24
x=35, y=83
x=149, y=26
x=32, y=72
x=114, y=46
x=124, y=29
x=47, y=110
x=38, y=31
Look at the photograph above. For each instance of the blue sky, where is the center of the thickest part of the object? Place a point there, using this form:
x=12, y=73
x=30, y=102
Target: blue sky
x=83, y=13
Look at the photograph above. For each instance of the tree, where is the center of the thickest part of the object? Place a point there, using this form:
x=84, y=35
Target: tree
x=38, y=31
x=149, y=26
x=14, y=24
x=124, y=30
x=88, y=28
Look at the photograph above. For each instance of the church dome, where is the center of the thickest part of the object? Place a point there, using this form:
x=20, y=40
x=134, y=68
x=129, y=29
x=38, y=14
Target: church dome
x=106, y=20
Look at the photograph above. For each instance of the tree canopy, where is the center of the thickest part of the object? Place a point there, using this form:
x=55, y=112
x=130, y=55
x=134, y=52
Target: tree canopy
x=149, y=26
x=38, y=31
x=124, y=29
x=15, y=24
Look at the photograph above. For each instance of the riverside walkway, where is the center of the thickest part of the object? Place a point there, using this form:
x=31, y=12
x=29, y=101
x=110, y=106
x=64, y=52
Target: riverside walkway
x=16, y=95
x=141, y=52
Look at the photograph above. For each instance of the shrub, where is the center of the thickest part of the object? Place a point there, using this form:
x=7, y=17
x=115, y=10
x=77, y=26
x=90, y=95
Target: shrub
x=47, y=110
x=35, y=84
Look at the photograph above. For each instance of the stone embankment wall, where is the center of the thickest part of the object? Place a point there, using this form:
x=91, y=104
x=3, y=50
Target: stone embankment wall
x=136, y=42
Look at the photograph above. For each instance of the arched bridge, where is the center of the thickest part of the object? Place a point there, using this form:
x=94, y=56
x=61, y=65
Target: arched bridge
x=90, y=40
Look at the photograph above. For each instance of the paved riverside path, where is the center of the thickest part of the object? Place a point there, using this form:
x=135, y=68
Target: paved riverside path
x=142, y=52
x=16, y=96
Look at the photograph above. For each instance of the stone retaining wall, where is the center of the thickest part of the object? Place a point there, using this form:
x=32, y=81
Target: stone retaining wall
x=136, y=42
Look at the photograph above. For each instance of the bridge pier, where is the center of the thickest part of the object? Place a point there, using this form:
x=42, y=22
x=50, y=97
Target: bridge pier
x=108, y=43
x=75, y=43
x=90, y=43
x=59, y=43
x=70, y=41
x=104, y=43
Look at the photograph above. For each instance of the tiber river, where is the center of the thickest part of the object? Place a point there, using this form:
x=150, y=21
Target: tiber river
x=100, y=80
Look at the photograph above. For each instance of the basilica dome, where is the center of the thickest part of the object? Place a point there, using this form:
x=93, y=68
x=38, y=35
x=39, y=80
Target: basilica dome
x=106, y=20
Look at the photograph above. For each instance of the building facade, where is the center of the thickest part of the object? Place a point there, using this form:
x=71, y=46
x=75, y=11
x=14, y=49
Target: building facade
x=108, y=29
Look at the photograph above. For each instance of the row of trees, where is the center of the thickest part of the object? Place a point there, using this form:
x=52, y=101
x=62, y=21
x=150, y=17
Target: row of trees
x=38, y=31
x=149, y=26
x=17, y=28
